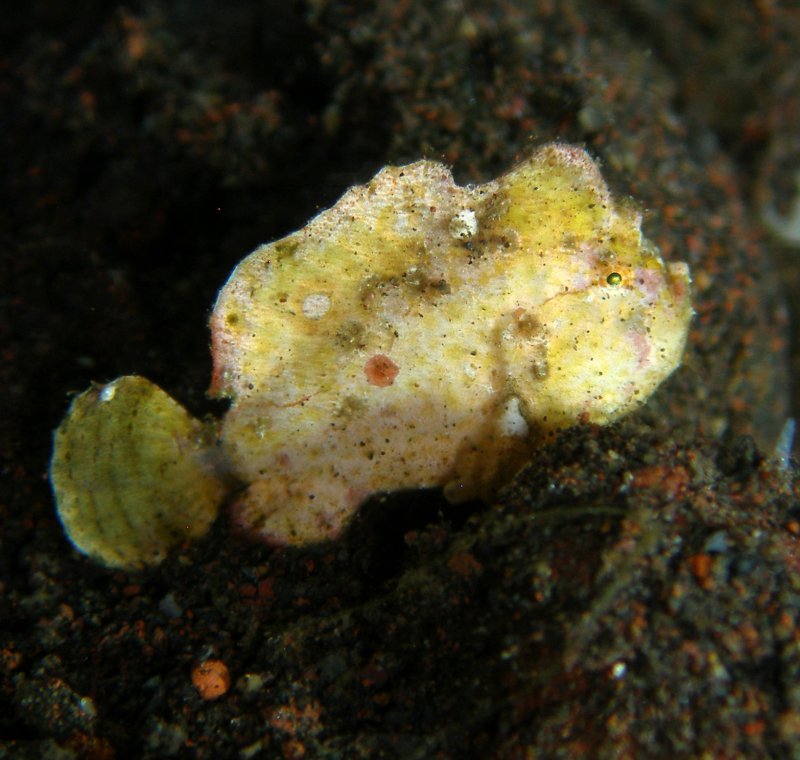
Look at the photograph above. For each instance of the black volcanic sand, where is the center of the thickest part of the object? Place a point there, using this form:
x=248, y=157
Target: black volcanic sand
x=635, y=592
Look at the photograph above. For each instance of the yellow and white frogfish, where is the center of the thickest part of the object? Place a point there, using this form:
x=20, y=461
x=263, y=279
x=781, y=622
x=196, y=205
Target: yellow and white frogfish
x=416, y=334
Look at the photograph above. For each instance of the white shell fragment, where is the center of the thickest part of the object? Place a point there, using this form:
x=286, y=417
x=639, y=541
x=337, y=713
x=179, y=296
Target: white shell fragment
x=132, y=474
x=464, y=224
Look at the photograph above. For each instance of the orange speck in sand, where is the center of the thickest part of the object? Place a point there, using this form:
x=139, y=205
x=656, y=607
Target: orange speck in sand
x=464, y=564
x=701, y=565
x=211, y=679
x=381, y=370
